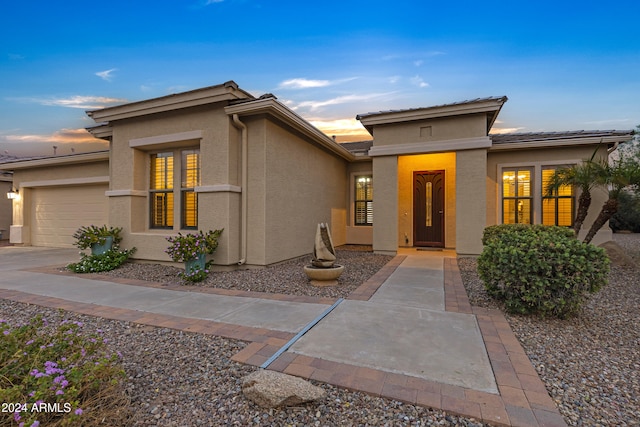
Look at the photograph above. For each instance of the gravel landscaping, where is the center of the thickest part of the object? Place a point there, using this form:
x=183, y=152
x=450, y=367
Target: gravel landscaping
x=590, y=364
x=284, y=278
x=186, y=379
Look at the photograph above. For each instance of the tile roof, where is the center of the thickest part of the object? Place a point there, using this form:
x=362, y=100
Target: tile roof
x=358, y=147
x=453, y=104
x=4, y=158
x=507, y=138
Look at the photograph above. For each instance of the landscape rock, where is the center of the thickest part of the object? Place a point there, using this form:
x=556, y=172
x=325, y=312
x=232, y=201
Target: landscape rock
x=271, y=389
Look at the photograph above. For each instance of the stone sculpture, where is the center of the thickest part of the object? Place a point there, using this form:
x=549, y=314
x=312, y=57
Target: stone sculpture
x=323, y=270
x=324, y=255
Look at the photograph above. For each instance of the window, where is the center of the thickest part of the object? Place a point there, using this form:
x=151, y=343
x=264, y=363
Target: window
x=364, y=200
x=190, y=180
x=557, y=209
x=161, y=188
x=517, y=196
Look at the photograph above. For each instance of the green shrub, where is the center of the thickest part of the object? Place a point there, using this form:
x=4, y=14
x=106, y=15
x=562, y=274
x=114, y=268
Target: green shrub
x=110, y=260
x=540, y=269
x=86, y=236
x=500, y=230
x=628, y=215
x=59, y=375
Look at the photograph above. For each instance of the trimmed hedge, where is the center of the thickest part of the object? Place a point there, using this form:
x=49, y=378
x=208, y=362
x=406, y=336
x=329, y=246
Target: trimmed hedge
x=540, y=269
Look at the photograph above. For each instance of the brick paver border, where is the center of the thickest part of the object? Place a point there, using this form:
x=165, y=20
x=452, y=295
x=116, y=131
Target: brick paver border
x=522, y=400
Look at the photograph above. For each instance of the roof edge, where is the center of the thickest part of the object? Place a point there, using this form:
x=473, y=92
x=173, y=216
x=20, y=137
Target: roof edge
x=223, y=92
x=94, y=156
x=480, y=105
x=276, y=109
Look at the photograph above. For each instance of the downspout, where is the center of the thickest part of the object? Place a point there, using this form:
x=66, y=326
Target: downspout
x=614, y=148
x=243, y=185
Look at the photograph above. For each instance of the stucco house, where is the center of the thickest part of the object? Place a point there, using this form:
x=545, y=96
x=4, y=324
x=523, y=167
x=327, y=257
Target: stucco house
x=218, y=157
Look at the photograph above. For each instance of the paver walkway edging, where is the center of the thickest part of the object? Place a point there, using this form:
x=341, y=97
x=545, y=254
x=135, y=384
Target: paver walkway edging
x=522, y=401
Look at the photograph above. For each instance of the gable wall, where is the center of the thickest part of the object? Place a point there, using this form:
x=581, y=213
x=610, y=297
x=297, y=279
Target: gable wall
x=446, y=128
x=219, y=151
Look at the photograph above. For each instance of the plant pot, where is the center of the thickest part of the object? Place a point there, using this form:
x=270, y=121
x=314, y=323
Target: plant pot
x=97, y=249
x=195, y=264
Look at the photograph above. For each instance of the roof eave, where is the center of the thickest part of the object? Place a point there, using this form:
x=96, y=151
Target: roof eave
x=272, y=107
x=101, y=131
x=559, y=142
x=225, y=92
x=95, y=156
x=492, y=106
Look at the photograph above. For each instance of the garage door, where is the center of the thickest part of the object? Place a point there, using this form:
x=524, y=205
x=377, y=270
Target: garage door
x=57, y=212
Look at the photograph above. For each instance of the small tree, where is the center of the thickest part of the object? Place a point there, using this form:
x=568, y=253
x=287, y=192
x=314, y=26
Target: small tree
x=623, y=173
x=584, y=176
x=615, y=175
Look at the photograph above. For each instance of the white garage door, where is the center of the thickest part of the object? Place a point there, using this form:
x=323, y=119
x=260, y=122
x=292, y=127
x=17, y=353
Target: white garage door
x=57, y=212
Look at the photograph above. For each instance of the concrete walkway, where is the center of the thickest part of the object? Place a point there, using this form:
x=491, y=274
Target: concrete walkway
x=252, y=312
x=404, y=328
x=408, y=333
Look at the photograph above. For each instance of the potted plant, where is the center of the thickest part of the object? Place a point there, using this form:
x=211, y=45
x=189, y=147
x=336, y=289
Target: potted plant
x=192, y=249
x=99, y=239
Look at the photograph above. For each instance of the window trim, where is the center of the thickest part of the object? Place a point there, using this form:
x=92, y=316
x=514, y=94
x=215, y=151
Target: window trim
x=177, y=190
x=556, y=198
x=166, y=191
x=184, y=189
x=355, y=200
x=537, y=168
x=517, y=197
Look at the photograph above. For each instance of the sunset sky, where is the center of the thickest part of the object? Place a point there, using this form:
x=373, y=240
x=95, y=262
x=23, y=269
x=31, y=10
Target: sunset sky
x=564, y=65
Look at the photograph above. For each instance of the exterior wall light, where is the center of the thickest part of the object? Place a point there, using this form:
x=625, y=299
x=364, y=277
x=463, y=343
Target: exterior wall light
x=13, y=195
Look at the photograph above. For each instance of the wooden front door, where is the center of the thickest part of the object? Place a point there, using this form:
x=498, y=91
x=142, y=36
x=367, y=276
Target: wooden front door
x=428, y=208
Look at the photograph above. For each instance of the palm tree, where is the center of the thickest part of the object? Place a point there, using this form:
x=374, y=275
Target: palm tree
x=623, y=173
x=584, y=176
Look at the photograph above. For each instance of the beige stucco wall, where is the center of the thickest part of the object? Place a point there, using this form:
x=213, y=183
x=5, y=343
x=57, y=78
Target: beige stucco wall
x=219, y=151
x=6, y=208
x=439, y=129
x=48, y=175
x=425, y=162
x=471, y=200
x=304, y=185
x=538, y=158
x=385, y=204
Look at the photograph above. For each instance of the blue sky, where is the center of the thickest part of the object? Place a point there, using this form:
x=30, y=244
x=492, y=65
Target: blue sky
x=563, y=65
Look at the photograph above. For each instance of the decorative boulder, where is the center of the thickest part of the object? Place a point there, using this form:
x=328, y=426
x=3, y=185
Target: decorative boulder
x=271, y=389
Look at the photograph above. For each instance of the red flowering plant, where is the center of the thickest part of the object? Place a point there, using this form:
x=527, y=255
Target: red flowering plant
x=187, y=247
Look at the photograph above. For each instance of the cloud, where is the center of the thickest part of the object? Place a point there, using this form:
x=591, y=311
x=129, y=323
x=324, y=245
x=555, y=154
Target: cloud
x=418, y=63
x=315, y=105
x=77, y=101
x=609, y=122
x=498, y=131
x=304, y=83
x=63, y=136
x=394, y=79
x=418, y=81
x=208, y=2
x=106, y=75
x=344, y=129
